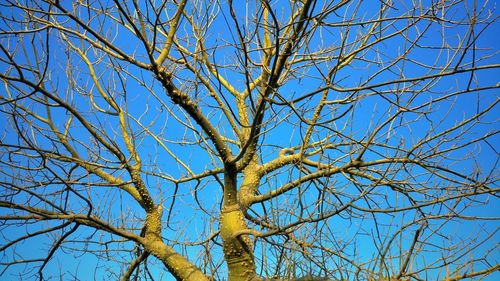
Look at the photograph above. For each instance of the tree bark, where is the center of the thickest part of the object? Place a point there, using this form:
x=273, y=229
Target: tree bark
x=238, y=250
x=178, y=266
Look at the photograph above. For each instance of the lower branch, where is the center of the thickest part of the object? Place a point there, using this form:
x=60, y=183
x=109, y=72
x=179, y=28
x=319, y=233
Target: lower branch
x=177, y=265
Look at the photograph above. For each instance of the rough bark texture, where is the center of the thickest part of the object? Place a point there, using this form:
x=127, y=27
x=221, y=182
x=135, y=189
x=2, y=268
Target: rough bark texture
x=249, y=186
x=179, y=266
x=238, y=250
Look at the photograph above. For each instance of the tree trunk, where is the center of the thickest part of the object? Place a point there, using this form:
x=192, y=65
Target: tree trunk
x=238, y=250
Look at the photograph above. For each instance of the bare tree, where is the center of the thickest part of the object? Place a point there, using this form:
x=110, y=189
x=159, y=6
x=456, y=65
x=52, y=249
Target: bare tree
x=249, y=140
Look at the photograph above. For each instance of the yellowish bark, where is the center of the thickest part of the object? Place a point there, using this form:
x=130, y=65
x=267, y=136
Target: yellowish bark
x=177, y=264
x=250, y=184
x=238, y=250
